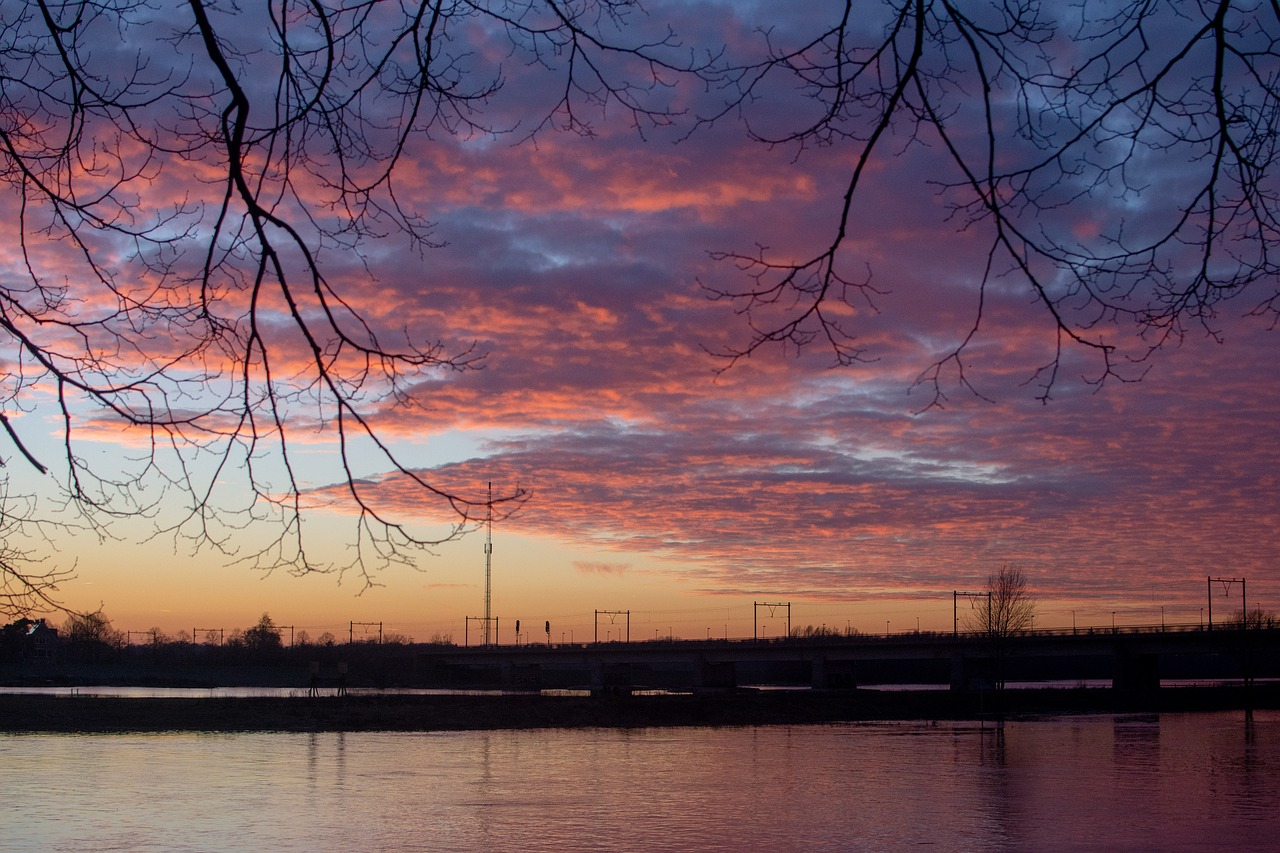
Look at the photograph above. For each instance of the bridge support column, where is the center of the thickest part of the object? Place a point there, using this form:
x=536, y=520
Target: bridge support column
x=597, y=676
x=833, y=674
x=715, y=675
x=1135, y=671
x=521, y=676
x=958, y=681
x=969, y=672
x=611, y=677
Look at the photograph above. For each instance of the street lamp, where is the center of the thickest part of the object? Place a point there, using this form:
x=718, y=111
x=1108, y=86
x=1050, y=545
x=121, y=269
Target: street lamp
x=886, y=627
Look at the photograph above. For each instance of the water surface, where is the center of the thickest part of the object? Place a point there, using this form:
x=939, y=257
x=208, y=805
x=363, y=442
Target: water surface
x=1168, y=782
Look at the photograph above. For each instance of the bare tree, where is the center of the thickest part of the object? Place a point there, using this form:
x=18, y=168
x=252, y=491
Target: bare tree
x=1007, y=610
x=91, y=637
x=1155, y=122
x=1009, y=607
x=28, y=578
x=262, y=637
x=212, y=326
x=1257, y=619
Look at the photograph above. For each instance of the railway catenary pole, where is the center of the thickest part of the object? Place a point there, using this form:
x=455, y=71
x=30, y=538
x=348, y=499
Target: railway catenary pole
x=488, y=564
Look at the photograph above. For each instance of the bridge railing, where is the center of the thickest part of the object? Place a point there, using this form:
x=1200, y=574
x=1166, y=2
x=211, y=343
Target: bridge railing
x=870, y=638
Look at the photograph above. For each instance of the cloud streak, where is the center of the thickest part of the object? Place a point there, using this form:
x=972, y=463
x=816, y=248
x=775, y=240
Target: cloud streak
x=576, y=266
x=580, y=267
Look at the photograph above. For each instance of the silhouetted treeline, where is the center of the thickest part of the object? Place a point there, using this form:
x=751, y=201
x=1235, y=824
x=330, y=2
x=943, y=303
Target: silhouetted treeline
x=92, y=639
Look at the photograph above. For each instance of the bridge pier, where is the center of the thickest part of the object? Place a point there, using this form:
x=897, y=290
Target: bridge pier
x=1132, y=671
x=832, y=674
x=597, y=677
x=521, y=676
x=611, y=677
x=969, y=672
x=714, y=675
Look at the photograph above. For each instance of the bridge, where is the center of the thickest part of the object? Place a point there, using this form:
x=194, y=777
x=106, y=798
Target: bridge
x=1130, y=658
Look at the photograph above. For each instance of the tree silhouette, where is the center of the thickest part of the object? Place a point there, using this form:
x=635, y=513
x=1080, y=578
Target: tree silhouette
x=211, y=326
x=28, y=579
x=1256, y=619
x=1007, y=610
x=1009, y=607
x=262, y=637
x=1118, y=159
x=91, y=637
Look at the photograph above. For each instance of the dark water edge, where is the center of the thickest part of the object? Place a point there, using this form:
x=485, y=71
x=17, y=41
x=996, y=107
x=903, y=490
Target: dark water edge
x=396, y=712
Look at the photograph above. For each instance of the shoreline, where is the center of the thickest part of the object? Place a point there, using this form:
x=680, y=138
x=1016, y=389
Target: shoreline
x=35, y=713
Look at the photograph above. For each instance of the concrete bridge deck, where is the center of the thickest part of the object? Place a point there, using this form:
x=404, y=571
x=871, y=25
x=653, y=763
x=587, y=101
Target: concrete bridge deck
x=1130, y=658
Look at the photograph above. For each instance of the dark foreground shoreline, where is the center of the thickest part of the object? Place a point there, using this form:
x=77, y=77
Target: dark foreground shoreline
x=397, y=712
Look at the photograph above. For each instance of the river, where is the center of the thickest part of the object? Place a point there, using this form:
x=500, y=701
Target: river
x=1207, y=781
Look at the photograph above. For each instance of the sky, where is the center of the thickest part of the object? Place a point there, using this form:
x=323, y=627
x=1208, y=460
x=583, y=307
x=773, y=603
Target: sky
x=664, y=485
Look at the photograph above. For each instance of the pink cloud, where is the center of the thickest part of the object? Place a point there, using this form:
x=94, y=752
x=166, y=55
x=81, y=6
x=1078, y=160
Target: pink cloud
x=598, y=568
x=574, y=264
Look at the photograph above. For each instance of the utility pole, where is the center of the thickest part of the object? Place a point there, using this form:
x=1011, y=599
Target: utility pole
x=612, y=614
x=351, y=630
x=208, y=632
x=756, y=605
x=956, y=595
x=488, y=563
x=1227, y=583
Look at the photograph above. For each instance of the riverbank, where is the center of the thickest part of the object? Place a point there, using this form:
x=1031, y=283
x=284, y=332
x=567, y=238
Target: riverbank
x=397, y=712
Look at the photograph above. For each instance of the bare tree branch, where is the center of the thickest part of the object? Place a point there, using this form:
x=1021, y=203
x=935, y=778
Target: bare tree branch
x=1078, y=109
x=28, y=580
x=289, y=123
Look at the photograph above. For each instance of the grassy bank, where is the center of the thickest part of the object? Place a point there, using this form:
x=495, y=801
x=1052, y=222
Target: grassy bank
x=40, y=713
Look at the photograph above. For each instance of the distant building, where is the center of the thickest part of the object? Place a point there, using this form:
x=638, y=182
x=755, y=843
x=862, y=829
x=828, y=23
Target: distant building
x=30, y=641
x=42, y=642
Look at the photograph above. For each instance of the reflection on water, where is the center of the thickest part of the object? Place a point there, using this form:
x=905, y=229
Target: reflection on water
x=1170, y=782
x=135, y=692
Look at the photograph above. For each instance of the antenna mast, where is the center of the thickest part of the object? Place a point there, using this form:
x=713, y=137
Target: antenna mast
x=488, y=563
